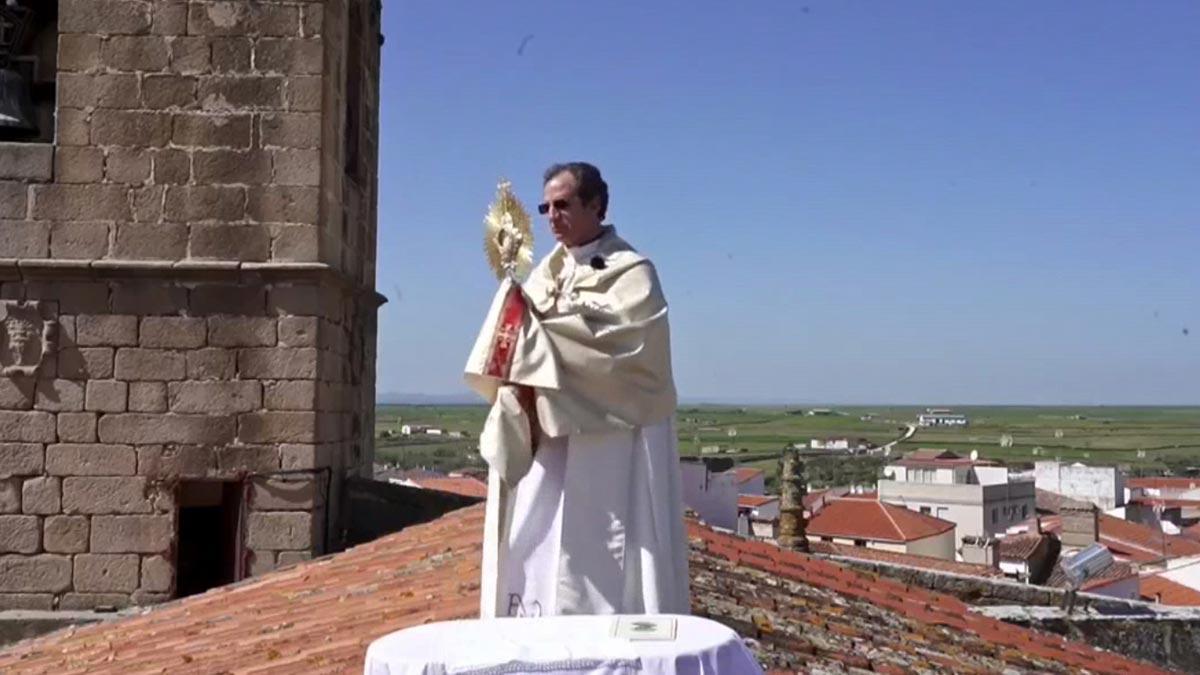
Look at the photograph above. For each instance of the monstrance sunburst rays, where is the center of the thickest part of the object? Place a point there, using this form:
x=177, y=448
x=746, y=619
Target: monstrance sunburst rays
x=507, y=236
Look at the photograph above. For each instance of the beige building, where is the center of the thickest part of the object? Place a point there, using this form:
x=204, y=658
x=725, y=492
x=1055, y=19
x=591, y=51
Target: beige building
x=758, y=515
x=187, y=304
x=864, y=520
x=977, y=496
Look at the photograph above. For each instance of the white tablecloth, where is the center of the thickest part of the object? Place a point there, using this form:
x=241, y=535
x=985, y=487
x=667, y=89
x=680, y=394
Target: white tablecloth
x=559, y=645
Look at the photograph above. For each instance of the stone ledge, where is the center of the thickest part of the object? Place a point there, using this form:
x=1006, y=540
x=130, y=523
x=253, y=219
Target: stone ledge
x=213, y=271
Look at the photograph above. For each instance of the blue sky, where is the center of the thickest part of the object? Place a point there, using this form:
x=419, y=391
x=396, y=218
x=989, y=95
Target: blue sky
x=850, y=202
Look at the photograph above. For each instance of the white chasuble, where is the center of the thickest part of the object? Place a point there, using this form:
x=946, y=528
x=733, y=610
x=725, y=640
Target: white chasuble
x=592, y=522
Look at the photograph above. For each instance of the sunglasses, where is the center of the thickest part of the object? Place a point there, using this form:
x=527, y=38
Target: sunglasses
x=560, y=204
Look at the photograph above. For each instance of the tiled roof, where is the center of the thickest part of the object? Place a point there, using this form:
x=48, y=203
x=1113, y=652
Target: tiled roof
x=905, y=559
x=383, y=473
x=316, y=617
x=1192, y=532
x=1021, y=546
x=872, y=496
x=927, y=454
x=754, y=501
x=1118, y=571
x=1157, y=588
x=814, y=615
x=857, y=518
x=1166, y=502
x=459, y=485
x=1134, y=541
x=813, y=498
x=1052, y=502
x=319, y=616
x=934, y=458
x=743, y=474
x=1147, y=538
x=1164, y=482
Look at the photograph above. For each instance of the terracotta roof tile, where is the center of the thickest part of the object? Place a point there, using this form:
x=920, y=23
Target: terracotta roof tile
x=1164, y=482
x=459, y=485
x=934, y=458
x=1021, y=546
x=754, y=501
x=862, y=518
x=314, y=617
x=1157, y=588
x=1166, y=502
x=319, y=617
x=1147, y=538
x=815, y=615
x=743, y=474
x=905, y=559
x=1134, y=541
x=1052, y=502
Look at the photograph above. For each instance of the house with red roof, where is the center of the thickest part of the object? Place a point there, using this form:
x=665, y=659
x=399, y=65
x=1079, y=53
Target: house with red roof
x=1130, y=542
x=1163, y=590
x=758, y=516
x=750, y=481
x=978, y=496
x=867, y=522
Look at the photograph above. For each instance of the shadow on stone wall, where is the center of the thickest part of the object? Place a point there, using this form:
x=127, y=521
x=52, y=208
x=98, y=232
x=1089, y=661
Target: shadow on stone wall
x=378, y=508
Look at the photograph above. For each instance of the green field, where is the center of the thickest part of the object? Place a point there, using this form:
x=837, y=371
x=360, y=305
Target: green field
x=1148, y=440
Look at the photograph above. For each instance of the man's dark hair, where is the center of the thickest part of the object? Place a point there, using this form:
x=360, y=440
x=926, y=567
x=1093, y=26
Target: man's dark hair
x=587, y=177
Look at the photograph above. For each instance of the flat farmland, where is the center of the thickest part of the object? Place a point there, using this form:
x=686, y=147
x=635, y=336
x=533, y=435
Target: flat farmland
x=1148, y=439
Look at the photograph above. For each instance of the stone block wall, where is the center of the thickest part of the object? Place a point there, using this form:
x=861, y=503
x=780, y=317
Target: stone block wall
x=216, y=381
x=185, y=131
x=176, y=302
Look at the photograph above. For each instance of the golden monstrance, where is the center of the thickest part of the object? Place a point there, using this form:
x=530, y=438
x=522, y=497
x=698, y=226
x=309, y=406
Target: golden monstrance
x=507, y=236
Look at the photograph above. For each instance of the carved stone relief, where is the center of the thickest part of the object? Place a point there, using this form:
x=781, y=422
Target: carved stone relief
x=28, y=336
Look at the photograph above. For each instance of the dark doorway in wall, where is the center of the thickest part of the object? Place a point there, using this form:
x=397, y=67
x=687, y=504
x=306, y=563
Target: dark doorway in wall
x=209, y=519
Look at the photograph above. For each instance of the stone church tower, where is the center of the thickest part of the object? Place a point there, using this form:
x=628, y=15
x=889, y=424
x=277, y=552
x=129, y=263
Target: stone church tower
x=187, y=303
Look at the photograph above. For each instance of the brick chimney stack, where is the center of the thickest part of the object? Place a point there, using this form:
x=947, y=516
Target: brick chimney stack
x=792, y=523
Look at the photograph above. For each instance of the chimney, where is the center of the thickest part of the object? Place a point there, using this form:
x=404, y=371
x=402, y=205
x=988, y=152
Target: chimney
x=792, y=523
x=980, y=551
x=1080, y=526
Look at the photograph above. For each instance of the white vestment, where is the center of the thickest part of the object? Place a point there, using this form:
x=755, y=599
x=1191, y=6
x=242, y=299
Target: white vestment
x=592, y=523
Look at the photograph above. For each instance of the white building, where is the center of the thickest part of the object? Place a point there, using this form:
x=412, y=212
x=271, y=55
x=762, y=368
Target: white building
x=1103, y=486
x=711, y=494
x=941, y=417
x=977, y=496
x=843, y=444
x=758, y=515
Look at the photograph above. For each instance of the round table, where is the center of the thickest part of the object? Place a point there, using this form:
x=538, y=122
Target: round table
x=563, y=645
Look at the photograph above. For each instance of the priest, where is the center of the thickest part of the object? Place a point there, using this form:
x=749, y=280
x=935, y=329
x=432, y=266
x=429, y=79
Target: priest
x=584, y=512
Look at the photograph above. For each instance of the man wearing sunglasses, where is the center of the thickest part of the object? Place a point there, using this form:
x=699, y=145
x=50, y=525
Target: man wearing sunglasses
x=581, y=434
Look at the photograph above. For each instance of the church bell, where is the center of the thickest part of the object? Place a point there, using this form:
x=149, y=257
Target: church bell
x=16, y=108
x=16, y=104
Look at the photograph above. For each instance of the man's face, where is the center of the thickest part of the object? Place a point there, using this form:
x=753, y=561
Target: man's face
x=571, y=221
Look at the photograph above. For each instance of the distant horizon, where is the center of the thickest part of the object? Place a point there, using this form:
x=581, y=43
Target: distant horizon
x=400, y=398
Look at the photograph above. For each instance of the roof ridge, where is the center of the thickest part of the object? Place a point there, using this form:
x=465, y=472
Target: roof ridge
x=887, y=512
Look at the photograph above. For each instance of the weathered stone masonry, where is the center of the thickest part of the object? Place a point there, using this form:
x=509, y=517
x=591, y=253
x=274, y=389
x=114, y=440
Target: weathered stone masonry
x=187, y=294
